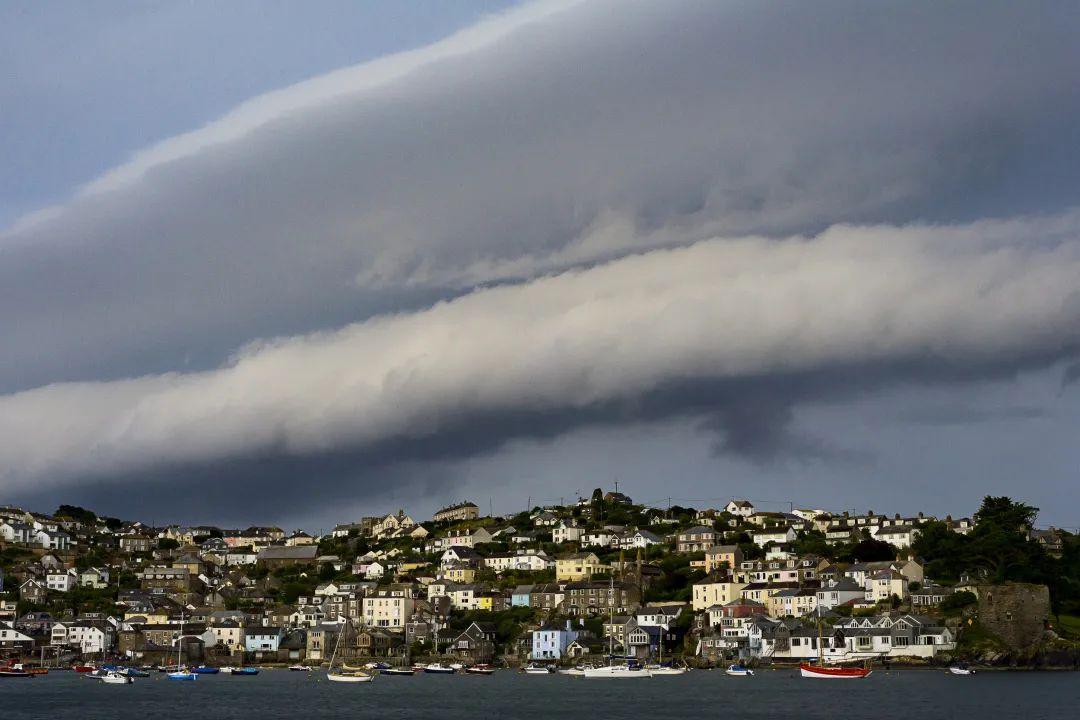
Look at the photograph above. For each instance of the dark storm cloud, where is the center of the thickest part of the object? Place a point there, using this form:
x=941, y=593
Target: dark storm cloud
x=562, y=138
x=555, y=135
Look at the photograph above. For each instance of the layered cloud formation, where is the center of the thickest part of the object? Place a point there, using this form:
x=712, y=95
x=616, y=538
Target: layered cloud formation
x=968, y=297
x=570, y=213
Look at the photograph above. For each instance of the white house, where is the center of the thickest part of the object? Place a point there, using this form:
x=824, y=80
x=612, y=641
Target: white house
x=53, y=539
x=597, y=538
x=839, y=593
x=902, y=536
x=385, y=610
x=87, y=637
x=524, y=560
x=637, y=539
x=660, y=616
x=550, y=643
x=764, y=537
x=886, y=583
x=463, y=597
x=97, y=578
x=61, y=580
x=229, y=635
x=566, y=531
x=740, y=508
x=16, y=532
x=12, y=638
x=263, y=639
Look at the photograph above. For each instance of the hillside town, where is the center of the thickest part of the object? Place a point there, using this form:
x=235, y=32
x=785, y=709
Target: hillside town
x=562, y=584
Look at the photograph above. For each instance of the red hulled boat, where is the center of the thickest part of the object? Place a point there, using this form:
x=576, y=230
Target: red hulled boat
x=824, y=671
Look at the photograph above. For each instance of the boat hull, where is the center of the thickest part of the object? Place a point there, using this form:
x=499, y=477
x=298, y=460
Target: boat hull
x=617, y=672
x=117, y=679
x=397, y=671
x=181, y=676
x=335, y=677
x=833, y=673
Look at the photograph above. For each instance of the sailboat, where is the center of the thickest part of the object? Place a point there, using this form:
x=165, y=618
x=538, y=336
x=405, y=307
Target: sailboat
x=659, y=668
x=343, y=675
x=820, y=670
x=181, y=673
x=611, y=670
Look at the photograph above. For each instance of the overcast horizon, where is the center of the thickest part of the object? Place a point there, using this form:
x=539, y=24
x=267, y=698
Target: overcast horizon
x=292, y=264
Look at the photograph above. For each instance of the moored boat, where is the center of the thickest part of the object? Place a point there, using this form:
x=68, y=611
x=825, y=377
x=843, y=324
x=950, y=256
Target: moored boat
x=114, y=677
x=833, y=671
x=738, y=670
x=576, y=671
x=181, y=674
x=537, y=669
x=342, y=675
x=299, y=668
x=13, y=673
x=662, y=670
x=206, y=670
x=961, y=669
x=240, y=670
x=617, y=672
x=397, y=671
x=481, y=669
x=439, y=669
x=134, y=672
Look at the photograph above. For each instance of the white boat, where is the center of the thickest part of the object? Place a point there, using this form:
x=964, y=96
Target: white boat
x=612, y=671
x=349, y=677
x=961, y=670
x=114, y=678
x=343, y=675
x=181, y=672
x=537, y=669
x=299, y=668
x=738, y=671
x=661, y=670
x=617, y=672
x=439, y=669
x=577, y=671
x=398, y=671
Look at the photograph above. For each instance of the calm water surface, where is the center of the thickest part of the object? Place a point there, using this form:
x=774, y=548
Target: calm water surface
x=273, y=694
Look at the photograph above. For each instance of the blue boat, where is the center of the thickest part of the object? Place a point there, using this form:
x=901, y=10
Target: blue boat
x=242, y=671
x=134, y=672
x=206, y=670
x=181, y=675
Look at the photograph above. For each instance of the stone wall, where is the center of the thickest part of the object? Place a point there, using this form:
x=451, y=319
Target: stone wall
x=1015, y=612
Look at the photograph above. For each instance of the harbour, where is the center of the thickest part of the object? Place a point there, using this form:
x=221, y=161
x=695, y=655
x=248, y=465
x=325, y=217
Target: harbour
x=779, y=693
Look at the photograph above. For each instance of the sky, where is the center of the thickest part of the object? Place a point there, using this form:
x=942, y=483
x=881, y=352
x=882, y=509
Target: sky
x=302, y=262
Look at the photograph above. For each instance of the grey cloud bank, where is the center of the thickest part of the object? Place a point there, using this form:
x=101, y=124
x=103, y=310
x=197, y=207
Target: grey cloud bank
x=967, y=296
x=571, y=214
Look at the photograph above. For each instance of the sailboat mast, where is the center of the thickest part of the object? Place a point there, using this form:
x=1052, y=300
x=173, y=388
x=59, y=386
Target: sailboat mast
x=180, y=641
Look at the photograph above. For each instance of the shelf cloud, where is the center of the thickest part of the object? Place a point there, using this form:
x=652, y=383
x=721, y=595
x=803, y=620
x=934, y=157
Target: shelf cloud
x=571, y=213
x=965, y=297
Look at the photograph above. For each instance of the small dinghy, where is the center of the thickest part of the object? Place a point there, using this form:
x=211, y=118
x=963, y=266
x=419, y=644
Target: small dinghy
x=738, y=670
